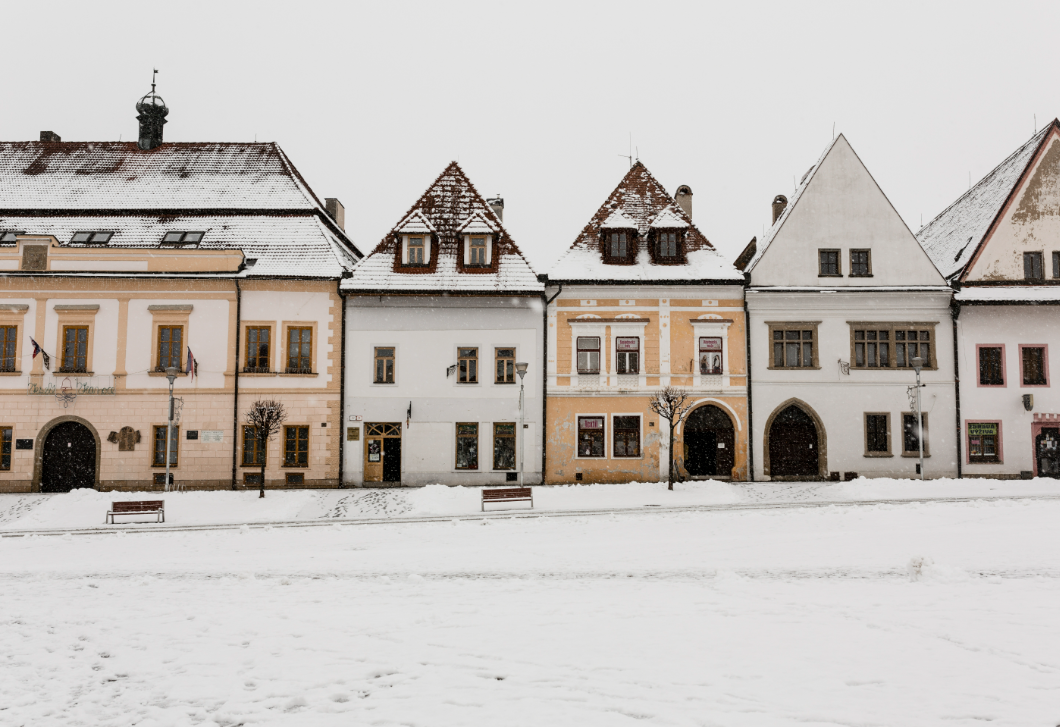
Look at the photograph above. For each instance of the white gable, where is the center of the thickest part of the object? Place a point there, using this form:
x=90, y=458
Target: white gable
x=842, y=208
x=1030, y=223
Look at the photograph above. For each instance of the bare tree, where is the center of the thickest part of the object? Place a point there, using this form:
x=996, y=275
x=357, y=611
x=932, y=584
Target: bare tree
x=672, y=405
x=266, y=417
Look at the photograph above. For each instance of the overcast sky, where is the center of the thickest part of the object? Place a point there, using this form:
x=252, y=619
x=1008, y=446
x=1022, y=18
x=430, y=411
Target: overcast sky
x=537, y=100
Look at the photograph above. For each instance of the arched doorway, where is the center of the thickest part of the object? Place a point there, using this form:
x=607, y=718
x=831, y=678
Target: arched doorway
x=710, y=442
x=794, y=449
x=68, y=458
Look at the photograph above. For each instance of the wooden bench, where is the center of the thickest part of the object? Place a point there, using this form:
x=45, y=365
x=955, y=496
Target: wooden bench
x=508, y=494
x=137, y=507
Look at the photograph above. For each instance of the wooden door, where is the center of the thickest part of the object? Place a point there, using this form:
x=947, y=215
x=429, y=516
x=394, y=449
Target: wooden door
x=69, y=458
x=793, y=445
x=382, y=452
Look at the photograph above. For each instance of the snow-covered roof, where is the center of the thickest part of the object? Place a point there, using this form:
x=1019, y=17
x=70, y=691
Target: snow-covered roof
x=119, y=175
x=415, y=223
x=1009, y=294
x=952, y=238
x=450, y=203
x=282, y=245
x=241, y=195
x=478, y=224
x=667, y=220
x=636, y=203
x=760, y=247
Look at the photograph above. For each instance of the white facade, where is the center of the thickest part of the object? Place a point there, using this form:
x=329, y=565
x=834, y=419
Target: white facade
x=838, y=290
x=425, y=333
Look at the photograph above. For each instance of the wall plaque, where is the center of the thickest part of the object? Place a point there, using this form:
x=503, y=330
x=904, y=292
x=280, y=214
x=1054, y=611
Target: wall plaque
x=23, y=444
x=353, y=434
x=193, y=434
x=212, y=436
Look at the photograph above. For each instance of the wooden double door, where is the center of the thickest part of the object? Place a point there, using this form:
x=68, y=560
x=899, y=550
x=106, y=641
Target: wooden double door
x=710, y=443
x=382, y=452
x=69, y=458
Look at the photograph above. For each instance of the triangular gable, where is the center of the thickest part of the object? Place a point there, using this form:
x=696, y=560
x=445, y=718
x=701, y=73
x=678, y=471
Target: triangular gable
x=477, y=224
x=957, y=235
x=839, y=206
x=635, y=203
x=668, y=220
x=416, y=223
x=450, y=206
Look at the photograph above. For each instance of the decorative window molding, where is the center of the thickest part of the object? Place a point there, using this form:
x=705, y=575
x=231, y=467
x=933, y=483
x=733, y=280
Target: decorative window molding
x=983, y=441
x=300, y=362
x=259, y=347
x=861, y=263
x=296, y=445
x=829, y=263
x=169, y=316
x=883, y=345
x=990, y=366
x=798, y=342
x=12, y=333
x=70, y=317
x=909, y=433
x=877, y=434
x=711, y=325
x=1034, y=365
x=158, y=446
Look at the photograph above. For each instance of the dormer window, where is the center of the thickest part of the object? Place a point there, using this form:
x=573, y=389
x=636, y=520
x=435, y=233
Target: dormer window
x=478, y=252
x=9, y=237
x=416, y=251
x=182, y=238
x=92, y=238
x=618, y=246
x=667, y=244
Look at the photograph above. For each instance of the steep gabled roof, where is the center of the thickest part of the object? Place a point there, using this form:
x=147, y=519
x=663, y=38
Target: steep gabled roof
x=954, y=237
x=637, y=202
x=451, y=204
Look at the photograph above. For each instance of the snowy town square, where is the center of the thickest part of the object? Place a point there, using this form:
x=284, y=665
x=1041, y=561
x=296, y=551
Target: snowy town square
x=767, y=605
x=487, y=364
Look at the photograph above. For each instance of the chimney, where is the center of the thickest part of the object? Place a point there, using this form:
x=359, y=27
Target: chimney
x=336, y=211
x=151, y=113
x=684, y=199
x=497, y=204
x=49, y=136
x=780, y=203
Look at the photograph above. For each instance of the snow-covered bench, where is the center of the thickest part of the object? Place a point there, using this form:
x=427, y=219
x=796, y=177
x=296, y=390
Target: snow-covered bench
x=137, y=507
x=508, y=494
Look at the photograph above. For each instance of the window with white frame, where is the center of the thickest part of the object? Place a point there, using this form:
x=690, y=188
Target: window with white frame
x=588, y=354
x=590, y=436
x=710, y=358
x=628, y=353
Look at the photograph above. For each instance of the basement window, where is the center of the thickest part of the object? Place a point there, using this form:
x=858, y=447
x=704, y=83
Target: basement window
x=92, y=238
x=182, y=238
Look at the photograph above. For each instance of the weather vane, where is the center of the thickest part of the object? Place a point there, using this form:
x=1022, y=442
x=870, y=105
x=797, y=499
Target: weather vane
x=153, y=74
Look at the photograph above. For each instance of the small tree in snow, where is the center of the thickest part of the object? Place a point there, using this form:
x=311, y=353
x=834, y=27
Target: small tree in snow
x=266, y=417
x=672, y=405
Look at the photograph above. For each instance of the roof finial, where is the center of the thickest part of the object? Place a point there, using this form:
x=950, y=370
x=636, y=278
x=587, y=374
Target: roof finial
x=153, y=75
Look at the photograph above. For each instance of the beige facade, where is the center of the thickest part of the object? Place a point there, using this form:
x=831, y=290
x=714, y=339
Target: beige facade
x=117, y=390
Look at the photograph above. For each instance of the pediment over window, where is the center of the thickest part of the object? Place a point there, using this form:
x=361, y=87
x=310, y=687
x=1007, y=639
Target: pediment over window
x=618, y=220
x=668, y=220
x=478, y=224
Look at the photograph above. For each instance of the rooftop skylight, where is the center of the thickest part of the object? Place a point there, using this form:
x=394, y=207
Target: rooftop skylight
x=179, y=237
x=92, y=238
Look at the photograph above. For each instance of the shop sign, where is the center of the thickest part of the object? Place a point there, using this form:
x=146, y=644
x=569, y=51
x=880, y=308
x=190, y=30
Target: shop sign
x=981, y=429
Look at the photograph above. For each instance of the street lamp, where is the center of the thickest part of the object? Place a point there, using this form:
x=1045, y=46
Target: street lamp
x=171, y=374
x=918, y=363
x=520, y=368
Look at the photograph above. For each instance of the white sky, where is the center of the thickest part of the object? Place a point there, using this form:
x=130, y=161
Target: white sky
x=538, y=100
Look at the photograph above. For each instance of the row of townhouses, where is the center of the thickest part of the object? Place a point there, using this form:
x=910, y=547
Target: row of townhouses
x=442, y=356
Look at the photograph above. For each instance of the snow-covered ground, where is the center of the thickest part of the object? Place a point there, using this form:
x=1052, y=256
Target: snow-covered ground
x=82, y=509
x=893, y=614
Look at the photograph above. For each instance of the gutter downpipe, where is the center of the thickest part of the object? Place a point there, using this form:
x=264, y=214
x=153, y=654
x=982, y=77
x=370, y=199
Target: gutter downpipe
x=544, y=378
x=955, y=312
x=750, y=422
x=235, y=396
x=342, y=388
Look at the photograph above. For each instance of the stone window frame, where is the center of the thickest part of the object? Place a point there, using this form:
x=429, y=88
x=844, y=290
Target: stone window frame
x=81, y=316
x=978, y=366
x=14, y=314
x=285, y=342
x=1045, y=365
x=796, y=326
x=170, y=315
x=890, y=440
x=271, y=358
x=1000, y=441
x=640, y=435
x=838, y=262
x=174, y=452
x=477, y=381
x=868, y=262
x=927, y=434
x=283, y=445
x=375, y=363
x=893, y=326
x=243, y=447
x=497, y=358
x=578, y=416
x=515, y=445
x=456, y=446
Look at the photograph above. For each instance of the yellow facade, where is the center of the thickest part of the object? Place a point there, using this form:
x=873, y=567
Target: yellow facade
x=668, y=334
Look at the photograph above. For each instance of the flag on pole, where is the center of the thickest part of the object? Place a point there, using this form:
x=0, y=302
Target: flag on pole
x=193, y=365
x=408, y=416
x=37, y=349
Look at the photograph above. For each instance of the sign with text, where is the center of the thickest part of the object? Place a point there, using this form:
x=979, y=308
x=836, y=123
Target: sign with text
x=212, y=436
x=90, y=386
x=980, y=429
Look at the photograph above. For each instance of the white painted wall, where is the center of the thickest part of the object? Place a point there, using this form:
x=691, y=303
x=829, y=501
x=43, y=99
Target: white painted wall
x=279, y=307
x=841, y=400
x=426, y=332
x=1010, y=326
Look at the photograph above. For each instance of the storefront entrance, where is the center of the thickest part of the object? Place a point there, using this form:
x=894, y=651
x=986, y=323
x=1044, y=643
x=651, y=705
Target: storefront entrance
x=69, y=458
x=382, y=452
x=1047, y=452
x=710, y=441
x=793, y=445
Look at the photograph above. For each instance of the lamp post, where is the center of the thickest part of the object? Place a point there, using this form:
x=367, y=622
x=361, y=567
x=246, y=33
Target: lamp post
x=520, y=368
x=918, y=363
x=171, y=374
